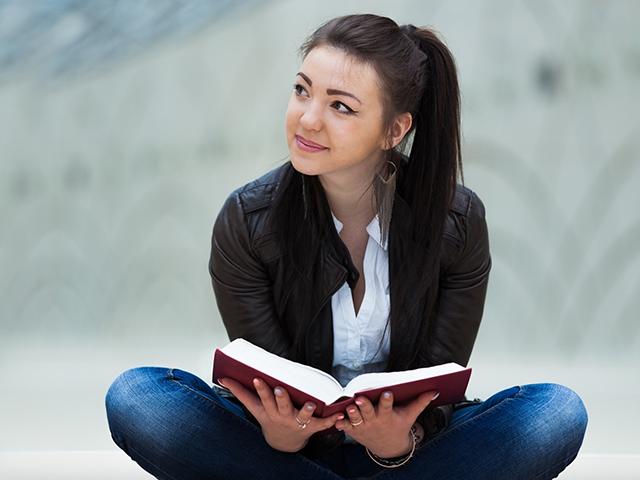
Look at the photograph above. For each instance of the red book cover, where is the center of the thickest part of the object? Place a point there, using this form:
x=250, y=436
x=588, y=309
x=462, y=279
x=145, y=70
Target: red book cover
x=452, y=386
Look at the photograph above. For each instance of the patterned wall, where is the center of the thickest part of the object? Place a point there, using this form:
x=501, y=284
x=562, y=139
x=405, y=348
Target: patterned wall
x=122, y=131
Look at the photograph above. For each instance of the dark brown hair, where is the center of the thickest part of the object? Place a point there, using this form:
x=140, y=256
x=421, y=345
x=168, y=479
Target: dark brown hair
x=416, y=74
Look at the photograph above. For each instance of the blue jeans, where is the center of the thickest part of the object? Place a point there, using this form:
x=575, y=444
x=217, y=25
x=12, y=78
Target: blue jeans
x=177, y=427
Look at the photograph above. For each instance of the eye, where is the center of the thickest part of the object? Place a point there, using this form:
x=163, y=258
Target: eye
x=348, y=111
x=296, y=86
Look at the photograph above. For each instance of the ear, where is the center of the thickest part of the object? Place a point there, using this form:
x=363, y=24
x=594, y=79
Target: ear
x=399, y=129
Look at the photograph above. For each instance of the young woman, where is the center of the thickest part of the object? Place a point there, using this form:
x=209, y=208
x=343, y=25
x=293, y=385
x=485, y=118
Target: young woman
x=352, y=257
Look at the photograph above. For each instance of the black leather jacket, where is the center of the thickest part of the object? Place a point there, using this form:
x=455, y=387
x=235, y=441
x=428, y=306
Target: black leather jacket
x=245, y=275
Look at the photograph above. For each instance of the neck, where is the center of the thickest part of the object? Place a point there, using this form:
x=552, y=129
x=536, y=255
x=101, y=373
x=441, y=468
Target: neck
x=350, y=194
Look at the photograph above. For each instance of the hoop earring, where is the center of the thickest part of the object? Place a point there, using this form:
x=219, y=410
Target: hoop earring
x=384, y=190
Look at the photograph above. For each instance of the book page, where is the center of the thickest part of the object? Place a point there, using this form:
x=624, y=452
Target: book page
x=303, y=377
x=368, y=381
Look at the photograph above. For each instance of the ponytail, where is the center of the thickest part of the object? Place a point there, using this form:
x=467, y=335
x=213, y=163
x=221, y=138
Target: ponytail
x=417, y=74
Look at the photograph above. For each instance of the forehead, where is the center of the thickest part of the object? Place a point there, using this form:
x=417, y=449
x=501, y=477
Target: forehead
x=330, y=67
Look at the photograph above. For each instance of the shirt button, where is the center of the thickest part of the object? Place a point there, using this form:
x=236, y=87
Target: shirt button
x=356, y=365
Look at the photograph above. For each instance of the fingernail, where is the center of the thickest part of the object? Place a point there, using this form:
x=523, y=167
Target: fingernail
x=277, y=391
x=436, y=395
x=310, y=406
x=256, y=382
x=352, y=410
x=221, y=382
x=359, y=402
x=340, y=417
x=387, y=394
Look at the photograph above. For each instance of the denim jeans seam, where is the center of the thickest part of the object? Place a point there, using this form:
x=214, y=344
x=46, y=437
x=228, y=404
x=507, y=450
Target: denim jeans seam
x=438, y=438
x=150, y=462
x=466, y=423
x=307, y=460
x=566, y=462
x=214, y=403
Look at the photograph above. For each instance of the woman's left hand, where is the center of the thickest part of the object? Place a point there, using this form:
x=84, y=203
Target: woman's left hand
x=384, y=429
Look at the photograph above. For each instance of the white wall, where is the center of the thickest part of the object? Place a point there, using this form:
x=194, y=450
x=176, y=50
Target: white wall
x=113, y=167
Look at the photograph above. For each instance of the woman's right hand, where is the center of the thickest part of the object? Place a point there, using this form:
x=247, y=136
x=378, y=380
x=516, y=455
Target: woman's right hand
x=277, y=416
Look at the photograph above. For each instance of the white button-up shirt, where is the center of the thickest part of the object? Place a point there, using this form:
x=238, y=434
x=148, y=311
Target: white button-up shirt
x=356, y=338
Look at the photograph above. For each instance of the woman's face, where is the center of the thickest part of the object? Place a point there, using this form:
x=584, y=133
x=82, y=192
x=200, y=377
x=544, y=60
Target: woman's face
x=335, y=103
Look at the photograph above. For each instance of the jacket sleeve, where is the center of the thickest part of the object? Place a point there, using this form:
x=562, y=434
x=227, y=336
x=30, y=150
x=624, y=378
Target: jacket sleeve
x=241, y=284
x=462, y=293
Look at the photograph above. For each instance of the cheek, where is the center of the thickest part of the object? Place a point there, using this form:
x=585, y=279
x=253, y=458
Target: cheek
x=291, y=121
x=353, y=139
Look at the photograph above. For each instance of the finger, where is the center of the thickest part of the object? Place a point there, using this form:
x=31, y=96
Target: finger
x=266, y=396
x=367, y=410
x=306, y=412
x=248, y=398
x=344, y=424
x=354, y=416
x=385, y=404
x=283, y=401
x=414, y=408
x=318, y=424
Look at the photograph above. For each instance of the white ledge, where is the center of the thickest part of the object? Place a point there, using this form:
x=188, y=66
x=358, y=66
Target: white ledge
x=115, y=464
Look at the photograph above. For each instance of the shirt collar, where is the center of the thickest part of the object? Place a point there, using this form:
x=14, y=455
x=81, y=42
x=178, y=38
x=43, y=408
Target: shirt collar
x=373, y=229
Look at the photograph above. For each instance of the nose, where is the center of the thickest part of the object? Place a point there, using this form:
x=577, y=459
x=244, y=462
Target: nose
x=311, y=118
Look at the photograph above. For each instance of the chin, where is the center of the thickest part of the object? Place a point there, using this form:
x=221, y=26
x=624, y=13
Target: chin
x=303, y=165
x=309, y=164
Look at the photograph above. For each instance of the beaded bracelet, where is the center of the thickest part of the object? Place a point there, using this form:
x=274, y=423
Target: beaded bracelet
x=388, y=463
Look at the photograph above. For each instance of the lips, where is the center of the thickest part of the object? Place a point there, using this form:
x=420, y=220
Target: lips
x=309, y=142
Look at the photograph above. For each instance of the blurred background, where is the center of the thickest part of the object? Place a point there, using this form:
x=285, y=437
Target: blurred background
x=124, y=126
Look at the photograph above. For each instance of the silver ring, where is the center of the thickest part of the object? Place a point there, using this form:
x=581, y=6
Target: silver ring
x=356, y=424
x=301, y=424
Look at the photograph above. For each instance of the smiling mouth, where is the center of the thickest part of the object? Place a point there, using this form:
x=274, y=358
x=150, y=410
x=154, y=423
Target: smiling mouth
x=309, y=143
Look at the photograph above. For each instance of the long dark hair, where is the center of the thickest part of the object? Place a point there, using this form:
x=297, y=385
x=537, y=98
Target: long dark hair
x=417, y=74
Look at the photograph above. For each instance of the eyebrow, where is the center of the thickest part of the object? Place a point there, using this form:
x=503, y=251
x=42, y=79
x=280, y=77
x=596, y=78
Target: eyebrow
x=330, y=91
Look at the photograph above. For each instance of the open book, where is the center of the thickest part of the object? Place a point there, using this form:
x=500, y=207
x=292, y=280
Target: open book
x=242, y=361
